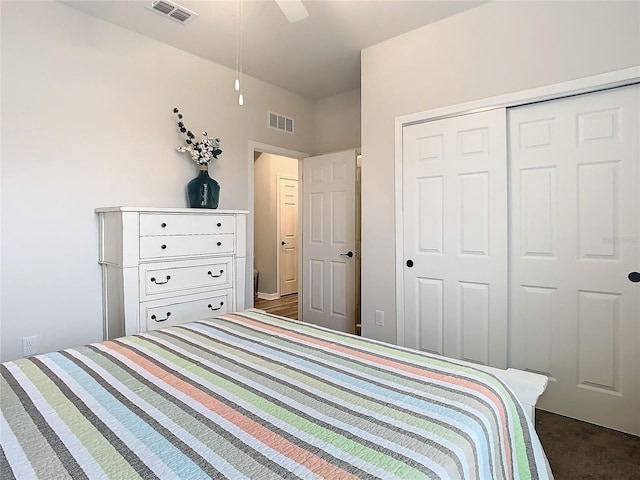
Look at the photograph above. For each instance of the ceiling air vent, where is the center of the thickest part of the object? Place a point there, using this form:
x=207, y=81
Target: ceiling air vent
x=280, y=122
x=172, y=10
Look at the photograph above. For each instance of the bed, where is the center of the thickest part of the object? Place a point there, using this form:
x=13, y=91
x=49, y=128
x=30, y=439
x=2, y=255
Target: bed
x=251, y=395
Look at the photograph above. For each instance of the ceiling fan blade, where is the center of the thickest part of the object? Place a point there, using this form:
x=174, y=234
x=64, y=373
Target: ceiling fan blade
x=294, y=10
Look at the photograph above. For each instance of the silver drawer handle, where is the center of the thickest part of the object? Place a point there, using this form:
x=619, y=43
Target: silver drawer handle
x=214, y=309
x=153, y=317
x=153, y=279
x=215, y=276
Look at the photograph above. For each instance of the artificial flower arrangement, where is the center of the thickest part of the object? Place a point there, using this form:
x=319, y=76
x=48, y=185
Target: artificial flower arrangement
x=201, y=151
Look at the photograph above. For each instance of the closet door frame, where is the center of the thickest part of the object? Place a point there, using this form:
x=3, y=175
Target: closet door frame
x=594, y=83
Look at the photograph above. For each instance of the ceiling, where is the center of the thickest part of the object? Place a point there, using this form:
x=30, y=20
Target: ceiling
x=316, y=57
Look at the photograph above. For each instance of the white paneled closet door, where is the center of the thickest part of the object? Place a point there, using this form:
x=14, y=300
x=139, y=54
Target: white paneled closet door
x=454, y=214
x=575, y=222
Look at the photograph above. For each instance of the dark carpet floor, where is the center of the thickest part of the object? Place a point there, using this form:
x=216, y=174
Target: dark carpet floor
x=577, y=450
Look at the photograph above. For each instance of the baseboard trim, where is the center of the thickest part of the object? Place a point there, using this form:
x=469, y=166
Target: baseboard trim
x=268, y=296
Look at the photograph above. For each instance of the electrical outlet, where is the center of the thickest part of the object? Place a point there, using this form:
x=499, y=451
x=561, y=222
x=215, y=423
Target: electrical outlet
x=380, y=318
x=29, y=346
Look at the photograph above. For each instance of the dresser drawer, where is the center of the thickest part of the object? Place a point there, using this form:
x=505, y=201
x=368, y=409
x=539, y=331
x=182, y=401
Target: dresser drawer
x=187, y=224
x=159, y=314
x=185, y=246
x=159, y=280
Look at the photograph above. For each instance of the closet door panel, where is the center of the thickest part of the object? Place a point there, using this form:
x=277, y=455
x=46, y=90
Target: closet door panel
x=455, y=237
x=575, y=315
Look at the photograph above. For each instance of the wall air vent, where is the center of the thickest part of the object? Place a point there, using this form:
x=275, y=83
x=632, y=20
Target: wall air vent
x=280, y=122
x=173, y=11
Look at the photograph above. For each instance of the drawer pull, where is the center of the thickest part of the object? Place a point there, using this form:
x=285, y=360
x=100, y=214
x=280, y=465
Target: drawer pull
x=218, y=224
x=153, y=279
x=163, y=247
x=215, y=276
x=163, y=225
x=219, y=243
x=153, y=317
x=214, y=309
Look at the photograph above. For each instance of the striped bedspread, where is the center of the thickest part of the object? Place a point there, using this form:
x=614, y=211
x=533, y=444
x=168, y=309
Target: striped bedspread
x=249, y=395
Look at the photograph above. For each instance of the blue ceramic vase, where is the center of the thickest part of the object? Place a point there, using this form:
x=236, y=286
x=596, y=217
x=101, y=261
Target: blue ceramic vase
x=203, y=191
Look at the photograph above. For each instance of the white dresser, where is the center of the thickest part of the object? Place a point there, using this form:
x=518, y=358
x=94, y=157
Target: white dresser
x=165, y=266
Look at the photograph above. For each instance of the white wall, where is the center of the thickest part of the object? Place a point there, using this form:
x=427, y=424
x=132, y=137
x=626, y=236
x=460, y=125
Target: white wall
x=87, y=122
x=493, y=49
x=337, y=123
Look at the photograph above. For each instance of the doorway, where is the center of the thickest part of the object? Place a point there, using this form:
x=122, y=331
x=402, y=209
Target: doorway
x=259, y=293
x=276, y=249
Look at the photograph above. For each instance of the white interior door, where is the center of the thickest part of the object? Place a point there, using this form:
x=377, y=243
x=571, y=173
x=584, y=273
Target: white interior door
x=575, y=314
x=287, y=235
x=328, y=236
x=454, y=183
